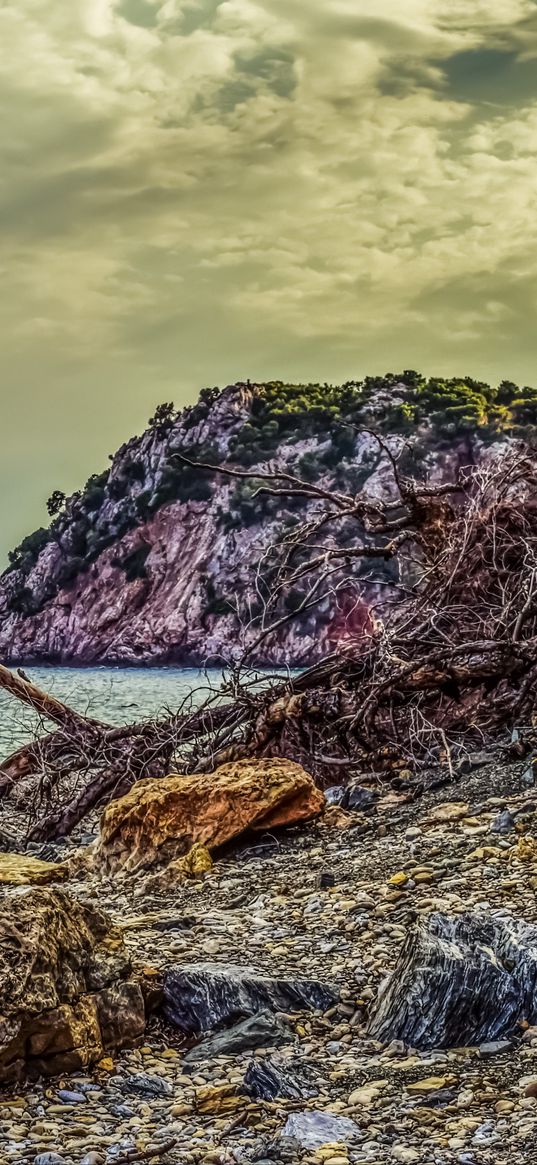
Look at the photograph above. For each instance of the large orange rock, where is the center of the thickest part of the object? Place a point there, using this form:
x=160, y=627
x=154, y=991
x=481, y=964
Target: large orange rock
x=160, y=820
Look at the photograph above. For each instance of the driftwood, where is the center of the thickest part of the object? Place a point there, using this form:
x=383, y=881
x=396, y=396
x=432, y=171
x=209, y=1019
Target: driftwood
x=149, y=1154
x=446, y=663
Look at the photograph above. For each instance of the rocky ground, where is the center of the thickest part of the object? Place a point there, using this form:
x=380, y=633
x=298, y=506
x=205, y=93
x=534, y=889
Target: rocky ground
x=333, y=901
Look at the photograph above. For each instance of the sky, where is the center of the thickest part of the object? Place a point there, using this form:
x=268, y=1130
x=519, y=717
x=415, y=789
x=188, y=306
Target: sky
x=194, y=192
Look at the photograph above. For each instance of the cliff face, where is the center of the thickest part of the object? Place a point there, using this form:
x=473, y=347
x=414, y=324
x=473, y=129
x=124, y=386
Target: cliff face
x=156, y=562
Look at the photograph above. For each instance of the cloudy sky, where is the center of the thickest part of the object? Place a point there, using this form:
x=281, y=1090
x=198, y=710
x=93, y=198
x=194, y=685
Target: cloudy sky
x=199, y=191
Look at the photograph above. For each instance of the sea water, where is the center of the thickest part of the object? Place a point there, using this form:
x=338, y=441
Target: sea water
x=114, y=695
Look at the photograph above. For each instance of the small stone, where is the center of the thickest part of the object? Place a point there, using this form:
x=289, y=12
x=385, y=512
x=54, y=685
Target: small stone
x=365, y=1095
x=503, y=823
x=431, y=1084
x=146, y=1085
x=360, y=798
x=398, y=879
x=504, y=1106
x=334, y=795
x=495, y=1047
x=258, y=1031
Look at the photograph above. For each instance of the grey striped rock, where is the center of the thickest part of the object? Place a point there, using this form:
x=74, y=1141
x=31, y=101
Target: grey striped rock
x=460, y=980
x=271, y=1079
x=206, y=996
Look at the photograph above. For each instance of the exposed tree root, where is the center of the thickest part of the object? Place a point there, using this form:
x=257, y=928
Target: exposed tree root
x=449, y=662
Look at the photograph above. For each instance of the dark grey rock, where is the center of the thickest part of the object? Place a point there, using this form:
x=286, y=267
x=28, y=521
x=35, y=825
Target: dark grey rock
x=206, y=996
x=169, y=924
x=71, y=1097
x=335, y=795
x=358, y=797
x=503, y=823
x=495, y=1047
x=271, y=1079
x=459, y=980
x=529, y=775
x=258, y=1031
x=313, y=1129
x=475, y=760
x=143, y=1084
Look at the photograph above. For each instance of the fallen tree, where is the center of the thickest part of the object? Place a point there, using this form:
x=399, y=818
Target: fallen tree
x=446, y=662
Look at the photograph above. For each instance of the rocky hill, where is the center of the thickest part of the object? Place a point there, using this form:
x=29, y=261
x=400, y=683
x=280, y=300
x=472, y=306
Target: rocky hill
x=156, y=561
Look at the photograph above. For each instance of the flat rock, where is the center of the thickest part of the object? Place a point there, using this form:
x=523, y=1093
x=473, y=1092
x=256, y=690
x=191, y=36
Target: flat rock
x=204, y=996
x=467, y=979
x=159, y=821
x=313, y=1129
x=24, y=870
x=258, y=1031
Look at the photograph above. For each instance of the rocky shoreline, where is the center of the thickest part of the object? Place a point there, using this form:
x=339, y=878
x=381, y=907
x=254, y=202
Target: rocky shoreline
x=331, y=901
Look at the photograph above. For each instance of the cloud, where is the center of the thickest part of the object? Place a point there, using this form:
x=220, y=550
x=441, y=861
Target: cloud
x=194, y=190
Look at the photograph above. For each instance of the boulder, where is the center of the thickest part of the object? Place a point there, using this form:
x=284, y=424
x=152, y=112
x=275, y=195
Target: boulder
x=158, y=821
x=205, y=996
x=467, y=979
x=67, y=993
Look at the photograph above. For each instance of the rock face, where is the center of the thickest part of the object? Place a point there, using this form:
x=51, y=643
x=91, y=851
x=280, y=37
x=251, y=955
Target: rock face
x=145, y=566
x=159, y=821
x=67, y=993
x=464, y=980
x=209, y=995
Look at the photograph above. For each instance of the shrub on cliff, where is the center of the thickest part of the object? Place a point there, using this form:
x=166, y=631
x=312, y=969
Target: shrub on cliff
x=25, y=556
x=56, y=502
x=134, y=564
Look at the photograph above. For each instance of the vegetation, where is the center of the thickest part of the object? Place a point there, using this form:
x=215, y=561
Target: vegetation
x=56, y=502
x=402, y=403
x=435, y=411
x=163, y=416
x=134, y=563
